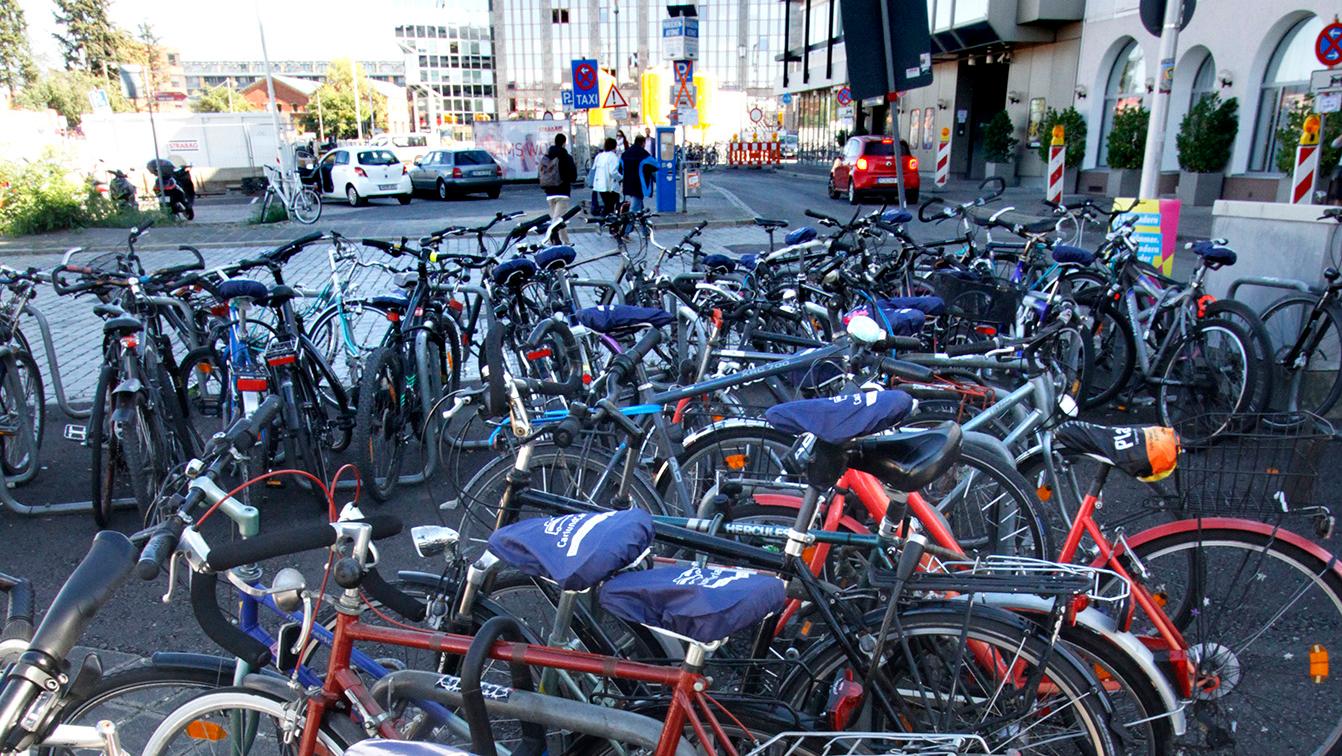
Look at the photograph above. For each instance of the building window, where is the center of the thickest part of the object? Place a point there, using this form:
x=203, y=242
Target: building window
x=1204, y=81
x=1285, y=84
x=1124, y=90
x=559, y=15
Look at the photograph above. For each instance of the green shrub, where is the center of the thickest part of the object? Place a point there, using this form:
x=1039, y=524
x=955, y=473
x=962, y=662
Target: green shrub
x=1288, y=138
x=103, y=212
x=275, y=213
x=1127, y=139
x=999, y=140
x=39, y=196
x=1207, y=134
x=1074, y=137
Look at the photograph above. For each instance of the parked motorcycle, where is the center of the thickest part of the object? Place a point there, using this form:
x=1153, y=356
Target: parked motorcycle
x=121, y=190
x=174, y=187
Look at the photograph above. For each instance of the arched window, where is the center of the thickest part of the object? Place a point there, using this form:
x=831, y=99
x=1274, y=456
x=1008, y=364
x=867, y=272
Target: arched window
x=1124, y=89
x=1285, y=84
x=1204, y=82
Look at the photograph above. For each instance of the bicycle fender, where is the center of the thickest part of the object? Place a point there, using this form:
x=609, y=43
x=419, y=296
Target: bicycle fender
x=1102, y=625
x=992, y=442
x=1231, y=523
x=124, y=398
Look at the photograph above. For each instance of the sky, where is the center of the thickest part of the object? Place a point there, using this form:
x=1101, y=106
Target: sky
x=227, y=29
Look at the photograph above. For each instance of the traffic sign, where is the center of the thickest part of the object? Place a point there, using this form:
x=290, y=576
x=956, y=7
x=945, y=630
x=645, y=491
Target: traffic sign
x=586, y=88
x=756, y=115
x=787, y=98
x=566, y=98
x=683, y=94
x=614, y=99
x=1328, y=46
x=684, y=70
x=1152, y=13
x=845, y=96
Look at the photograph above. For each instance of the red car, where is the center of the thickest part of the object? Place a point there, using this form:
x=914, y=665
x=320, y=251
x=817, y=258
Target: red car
x=867, y=167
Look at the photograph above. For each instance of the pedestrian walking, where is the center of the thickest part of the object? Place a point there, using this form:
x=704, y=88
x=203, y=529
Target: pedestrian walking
x=606, y=177
x=636, y=163
x=557, y=172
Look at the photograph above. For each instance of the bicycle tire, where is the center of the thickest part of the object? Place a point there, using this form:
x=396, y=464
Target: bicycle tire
x=108, y=464
x=224, y=705
x=1180, y=410
x=1115, y=354
x=20, y=459
x=143, y=463
x=1243, y=315
x=307, y=207
x=807, y=688
x=379, y=416
x=1288, y=390
x=328, y=332
x=1283, y=596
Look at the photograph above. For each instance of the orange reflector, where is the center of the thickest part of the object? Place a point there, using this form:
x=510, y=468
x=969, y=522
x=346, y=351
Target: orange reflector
x=1161, y=599
x=393, y=316
x=735, y=461
x=129, y=342
x=204, y=367
x=986, y=330
x=1318, y=663
x=1044, y=492
x=202, y=730
x=806, y=628
x=1102, y=673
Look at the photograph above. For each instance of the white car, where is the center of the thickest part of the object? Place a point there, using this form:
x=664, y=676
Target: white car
x=358, y=173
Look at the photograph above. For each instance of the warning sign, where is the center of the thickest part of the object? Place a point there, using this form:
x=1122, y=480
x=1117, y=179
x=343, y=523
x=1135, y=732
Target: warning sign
x=614, y=99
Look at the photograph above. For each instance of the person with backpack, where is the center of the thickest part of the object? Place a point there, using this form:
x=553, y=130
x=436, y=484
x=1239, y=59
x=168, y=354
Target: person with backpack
x=557, y=172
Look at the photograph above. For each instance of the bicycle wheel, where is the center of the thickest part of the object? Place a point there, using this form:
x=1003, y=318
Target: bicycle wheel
x=1260, y=613
x=307, y=207
x=741, y=449
x=380, y=423
x=940, y=685
x=1114, y=351
x=1209, y=376
x=140, y=697
x=23, y=413
x=347, y=336
x=233, y=721
x=140, y=436
x=110, y=482
x=1314, y=382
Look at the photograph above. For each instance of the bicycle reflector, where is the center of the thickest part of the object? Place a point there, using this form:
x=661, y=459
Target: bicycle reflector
x=252, y=383
x=1318, y=663
x=845, y=698
x=199, y=729
x=539, y=354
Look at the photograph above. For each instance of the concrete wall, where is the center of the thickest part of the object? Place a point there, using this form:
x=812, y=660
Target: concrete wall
x=1271, y=239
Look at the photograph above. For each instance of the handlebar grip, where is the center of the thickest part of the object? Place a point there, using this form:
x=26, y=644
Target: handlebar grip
x=384, y=526
x=392, y=597
x=278, y=543
x=217, y=627
x=565, y=431
x=247, y=430
x=906, y=370
x=387, y=247
x=907, y=343
x=572, y=212
x=89, y=587
x=159, y=549
x=19, y=617
x=973, y=347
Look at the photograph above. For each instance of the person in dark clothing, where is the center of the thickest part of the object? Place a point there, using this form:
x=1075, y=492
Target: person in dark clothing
x=632, y=165
x=557, y=172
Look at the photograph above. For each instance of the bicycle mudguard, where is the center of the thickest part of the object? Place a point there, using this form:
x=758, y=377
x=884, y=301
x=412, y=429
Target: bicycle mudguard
x=124, y=398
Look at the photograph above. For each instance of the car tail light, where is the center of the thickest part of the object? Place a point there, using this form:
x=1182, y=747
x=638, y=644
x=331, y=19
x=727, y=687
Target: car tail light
x=360, y=172
x=913, y=163
x=130, y=342
x=404, y=170
x=252, y=383
x=887, y=141
x=498, y=170
x=862, y=164
x=456, y=173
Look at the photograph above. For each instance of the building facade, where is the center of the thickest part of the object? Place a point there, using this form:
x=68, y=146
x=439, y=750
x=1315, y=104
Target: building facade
x=240, y=73
x=449, y=64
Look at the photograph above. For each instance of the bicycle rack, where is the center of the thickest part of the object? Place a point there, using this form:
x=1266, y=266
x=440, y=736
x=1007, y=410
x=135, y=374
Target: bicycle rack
x=1271, y=282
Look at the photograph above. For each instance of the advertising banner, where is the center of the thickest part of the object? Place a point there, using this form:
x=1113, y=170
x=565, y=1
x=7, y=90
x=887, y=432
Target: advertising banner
x=1156, y=232
x=518, y=145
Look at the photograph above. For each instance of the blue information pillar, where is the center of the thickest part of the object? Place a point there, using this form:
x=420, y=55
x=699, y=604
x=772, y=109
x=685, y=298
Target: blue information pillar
x=667, y=170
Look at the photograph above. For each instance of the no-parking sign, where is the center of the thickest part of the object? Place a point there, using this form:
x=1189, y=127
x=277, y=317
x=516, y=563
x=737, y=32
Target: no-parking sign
x=586, y=85
x=1328, y=45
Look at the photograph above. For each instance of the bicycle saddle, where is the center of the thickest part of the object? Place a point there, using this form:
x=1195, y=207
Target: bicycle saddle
x=928, y=305
x=379, y=747
x=1064, y=254
x=896, y=217
x=800, y=235
x=908, y=461
x=703, y=604
x=841, y=419
x=390, y=301
x=513, y=272
x=556, y=257
x=248, y=288
x=106, y=310
x=612, y=318
x=1147, y=453
x=279, y=294
x=577, y=551
x=770, y=223
x=122, y=325
x=1215, y=256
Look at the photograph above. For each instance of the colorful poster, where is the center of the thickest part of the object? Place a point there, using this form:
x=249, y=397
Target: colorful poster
x=915, y=128
x=1035, y=122
x=517, y=145
x=929, y=124
x=1156, y=231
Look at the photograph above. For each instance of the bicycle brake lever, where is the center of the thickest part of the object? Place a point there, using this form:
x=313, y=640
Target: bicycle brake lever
x=172, y=578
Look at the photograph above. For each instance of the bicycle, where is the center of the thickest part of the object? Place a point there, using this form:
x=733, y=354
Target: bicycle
x=299, y=201
x=22, y=400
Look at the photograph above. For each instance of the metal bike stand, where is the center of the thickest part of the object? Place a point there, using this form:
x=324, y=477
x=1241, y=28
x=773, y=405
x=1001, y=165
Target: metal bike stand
x=49, y=347
x=1271, y=282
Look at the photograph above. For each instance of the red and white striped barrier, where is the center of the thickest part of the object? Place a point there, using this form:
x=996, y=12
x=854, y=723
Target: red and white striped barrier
x=1306, y=163
x=1057, y=155
x=944, y=157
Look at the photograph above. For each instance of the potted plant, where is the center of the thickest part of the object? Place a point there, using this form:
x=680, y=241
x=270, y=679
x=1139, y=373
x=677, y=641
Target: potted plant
x=1206, y=136
x=1127, y=145
x=999, y=147
x=1074, y=137
x=1288, y=139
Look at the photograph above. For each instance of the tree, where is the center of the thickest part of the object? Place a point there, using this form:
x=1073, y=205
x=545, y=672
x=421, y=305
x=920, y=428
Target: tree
x=90, y=41
x=16, y=62
x=1207, y=134
x=330, y=110
x=1127, y=138
x=999, y=140
x=221, y=99
x=67, y=93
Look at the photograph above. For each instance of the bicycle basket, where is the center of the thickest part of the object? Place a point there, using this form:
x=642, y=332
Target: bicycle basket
x=1264, y=466
x=978, y=298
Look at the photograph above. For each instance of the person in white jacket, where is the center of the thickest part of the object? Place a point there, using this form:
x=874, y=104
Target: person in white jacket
x=606, y=177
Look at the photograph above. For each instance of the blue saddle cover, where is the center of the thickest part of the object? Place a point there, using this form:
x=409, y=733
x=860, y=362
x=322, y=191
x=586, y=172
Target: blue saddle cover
x=608, y=318
x=719, y=263
x=800, y=235
x=929, y=305
x=515, y=270
x=1066, y=253
x=843, y=418
x=556, y=257
x=1214, y=254
x=244, y=287
x=705, y=604
x=390, y=301
x=896, y=217
x=575, y=551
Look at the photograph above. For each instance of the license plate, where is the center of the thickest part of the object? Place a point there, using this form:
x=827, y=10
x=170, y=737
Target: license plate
x=887, y=179
x=386, y=187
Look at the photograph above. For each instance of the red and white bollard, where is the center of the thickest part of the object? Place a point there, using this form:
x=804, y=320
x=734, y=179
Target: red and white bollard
x=1057, y=156
x=944, y=157
x=1306, y=163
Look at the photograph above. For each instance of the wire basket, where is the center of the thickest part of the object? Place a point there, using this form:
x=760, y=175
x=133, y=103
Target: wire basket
x=844, y=743
x=1264, y=465
x=978, y=298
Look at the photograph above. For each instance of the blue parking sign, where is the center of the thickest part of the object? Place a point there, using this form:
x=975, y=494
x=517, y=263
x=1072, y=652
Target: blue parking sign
x=586, y=85
x=566, y=98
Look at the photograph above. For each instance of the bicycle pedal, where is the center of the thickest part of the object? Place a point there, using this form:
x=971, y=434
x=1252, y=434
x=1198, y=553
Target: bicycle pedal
x=76, y=433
